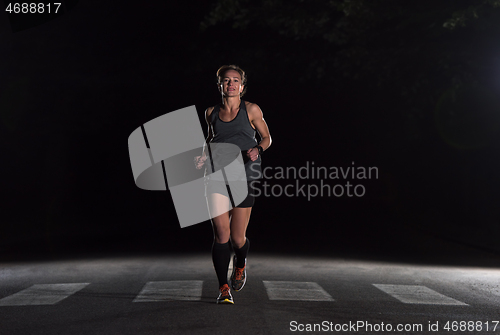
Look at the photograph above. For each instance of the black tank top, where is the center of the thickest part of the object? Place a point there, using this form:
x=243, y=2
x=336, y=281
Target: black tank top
x=240, y=132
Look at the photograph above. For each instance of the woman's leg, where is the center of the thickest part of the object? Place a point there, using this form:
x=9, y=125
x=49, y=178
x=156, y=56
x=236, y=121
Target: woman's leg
x=221, y=249
x=219, y=203
x=239, y=223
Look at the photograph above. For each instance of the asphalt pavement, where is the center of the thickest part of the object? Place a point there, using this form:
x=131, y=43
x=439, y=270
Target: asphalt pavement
x=176, y=294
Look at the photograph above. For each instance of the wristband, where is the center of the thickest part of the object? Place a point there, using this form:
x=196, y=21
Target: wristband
x=260, y=149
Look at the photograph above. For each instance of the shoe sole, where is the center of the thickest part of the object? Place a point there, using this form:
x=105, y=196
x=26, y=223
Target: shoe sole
x=226, y=302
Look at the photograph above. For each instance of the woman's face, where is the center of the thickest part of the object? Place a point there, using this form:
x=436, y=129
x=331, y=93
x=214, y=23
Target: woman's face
x=230, y=85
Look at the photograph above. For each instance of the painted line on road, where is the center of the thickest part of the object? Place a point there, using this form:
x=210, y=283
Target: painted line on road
x=230, y=268
x=417, y=294
x=170, y=290
x=289, y=290
x=42, y=294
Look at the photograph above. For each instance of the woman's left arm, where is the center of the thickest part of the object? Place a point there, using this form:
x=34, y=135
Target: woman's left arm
x=257, y=119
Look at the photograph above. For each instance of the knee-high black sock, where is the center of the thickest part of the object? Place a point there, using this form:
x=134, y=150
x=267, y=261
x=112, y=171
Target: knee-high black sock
x=221, y=255
x=241, y=253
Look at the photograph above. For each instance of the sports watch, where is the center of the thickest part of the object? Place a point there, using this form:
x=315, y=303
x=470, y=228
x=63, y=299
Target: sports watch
x=260, y=149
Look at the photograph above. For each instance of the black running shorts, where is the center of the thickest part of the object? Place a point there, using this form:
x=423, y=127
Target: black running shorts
x=221, y=188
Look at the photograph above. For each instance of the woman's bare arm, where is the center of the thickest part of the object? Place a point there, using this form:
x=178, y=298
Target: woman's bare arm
x=200, y=160
x=257, y=118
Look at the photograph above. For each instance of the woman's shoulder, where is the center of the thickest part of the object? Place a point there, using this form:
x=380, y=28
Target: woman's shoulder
x=209, y=110
x=252, y=108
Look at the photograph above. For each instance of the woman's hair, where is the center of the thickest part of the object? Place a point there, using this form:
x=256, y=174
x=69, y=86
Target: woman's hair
x=224, y=68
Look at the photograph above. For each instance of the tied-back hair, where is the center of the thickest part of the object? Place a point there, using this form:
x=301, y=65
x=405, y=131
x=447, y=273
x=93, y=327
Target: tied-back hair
x=224, y=68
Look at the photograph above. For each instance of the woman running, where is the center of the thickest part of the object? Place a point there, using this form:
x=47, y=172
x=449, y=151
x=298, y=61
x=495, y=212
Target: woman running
x=233, y=121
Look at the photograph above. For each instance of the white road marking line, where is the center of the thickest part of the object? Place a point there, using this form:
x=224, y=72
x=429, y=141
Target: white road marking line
x=42, y=294
x=170, y=290
x=230, y=268
x=417, y=294
x=289, y=290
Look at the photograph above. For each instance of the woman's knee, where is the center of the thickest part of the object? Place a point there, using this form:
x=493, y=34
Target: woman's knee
x=238, y=240
x=222, y=233
x=221, y=227
x=222, y=236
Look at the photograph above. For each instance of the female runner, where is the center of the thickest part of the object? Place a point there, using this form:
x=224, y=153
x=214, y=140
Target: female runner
x=233, y=121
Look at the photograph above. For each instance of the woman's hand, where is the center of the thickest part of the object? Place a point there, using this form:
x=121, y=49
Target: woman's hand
x=199, y=161
x=253, y=154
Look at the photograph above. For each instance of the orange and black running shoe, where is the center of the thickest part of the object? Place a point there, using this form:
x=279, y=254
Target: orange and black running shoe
x=225, y=296
x=239, y=276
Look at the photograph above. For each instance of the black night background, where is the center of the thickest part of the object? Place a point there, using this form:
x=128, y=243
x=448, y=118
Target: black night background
x=409, y=87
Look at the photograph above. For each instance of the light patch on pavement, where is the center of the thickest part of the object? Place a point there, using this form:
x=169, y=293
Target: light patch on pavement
x=230, y=268
x=289, y=290
x=491, y=289
x=42, y=294
x=486, y=283
x=170, y=290
x=417, y=294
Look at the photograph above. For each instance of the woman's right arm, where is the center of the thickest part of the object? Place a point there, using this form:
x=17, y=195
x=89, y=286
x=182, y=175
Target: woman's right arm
x=208, y=112
x=200, y=160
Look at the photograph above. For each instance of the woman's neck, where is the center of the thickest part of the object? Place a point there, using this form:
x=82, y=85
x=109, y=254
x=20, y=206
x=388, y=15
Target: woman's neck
x=231, y=103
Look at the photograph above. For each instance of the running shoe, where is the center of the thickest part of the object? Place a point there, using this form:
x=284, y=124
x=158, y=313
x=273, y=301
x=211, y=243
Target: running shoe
x=239, y=276
x=225, y=296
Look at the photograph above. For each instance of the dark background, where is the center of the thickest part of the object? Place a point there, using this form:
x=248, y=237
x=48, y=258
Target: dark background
x=409, y=87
